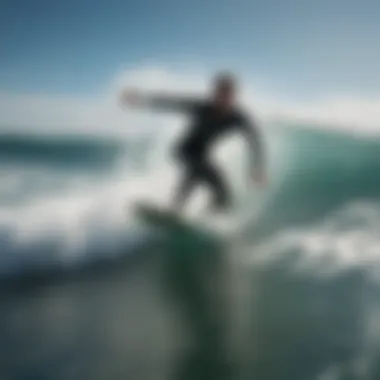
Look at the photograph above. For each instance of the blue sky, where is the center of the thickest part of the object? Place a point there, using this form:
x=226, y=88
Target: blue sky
x=301, y=47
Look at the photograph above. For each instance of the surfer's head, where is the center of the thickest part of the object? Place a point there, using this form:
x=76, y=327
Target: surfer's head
x=224, y=90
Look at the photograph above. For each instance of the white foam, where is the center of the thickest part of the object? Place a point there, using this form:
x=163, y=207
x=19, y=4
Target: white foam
x=346, y=239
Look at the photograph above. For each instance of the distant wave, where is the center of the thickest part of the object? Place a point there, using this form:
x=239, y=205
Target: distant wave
x=52, y=149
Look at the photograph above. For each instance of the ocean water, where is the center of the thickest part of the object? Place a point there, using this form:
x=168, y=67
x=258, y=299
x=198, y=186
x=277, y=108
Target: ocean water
x=88, y=292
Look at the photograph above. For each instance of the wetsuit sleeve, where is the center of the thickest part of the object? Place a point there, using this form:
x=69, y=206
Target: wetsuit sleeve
x=251, y=131
x=170, y=103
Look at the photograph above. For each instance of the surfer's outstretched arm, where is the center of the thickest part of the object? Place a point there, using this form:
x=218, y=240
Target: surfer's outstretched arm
x=252, y=132
x=159, y=101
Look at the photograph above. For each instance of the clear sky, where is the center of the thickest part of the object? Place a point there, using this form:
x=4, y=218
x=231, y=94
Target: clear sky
x=300, y=46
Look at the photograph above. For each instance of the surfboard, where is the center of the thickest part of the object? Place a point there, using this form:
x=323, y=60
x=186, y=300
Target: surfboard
x=162, y=217
x=177, y=226
x=187, y=244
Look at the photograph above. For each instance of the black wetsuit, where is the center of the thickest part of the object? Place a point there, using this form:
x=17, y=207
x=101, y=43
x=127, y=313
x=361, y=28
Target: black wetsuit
x=207, y=125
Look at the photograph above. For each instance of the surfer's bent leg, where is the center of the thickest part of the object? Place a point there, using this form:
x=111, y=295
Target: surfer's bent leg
x=215, y=180
x=196, y=170
x=186, y=185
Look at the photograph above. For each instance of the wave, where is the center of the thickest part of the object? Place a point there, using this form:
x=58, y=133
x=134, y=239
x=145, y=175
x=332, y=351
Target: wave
x=323, y=171
x=313, y=175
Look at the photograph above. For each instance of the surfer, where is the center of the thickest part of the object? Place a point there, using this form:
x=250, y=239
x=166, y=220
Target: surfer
x=210, y=119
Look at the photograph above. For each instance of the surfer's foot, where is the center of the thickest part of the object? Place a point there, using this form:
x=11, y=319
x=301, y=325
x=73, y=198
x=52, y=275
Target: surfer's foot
x=217, y=211
x=220, y=207
x=176, y=210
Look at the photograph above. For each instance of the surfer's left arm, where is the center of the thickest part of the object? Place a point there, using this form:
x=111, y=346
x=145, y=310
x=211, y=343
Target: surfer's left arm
x=251, y=131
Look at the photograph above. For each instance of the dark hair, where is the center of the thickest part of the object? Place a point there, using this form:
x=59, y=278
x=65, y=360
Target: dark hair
x=225, y=80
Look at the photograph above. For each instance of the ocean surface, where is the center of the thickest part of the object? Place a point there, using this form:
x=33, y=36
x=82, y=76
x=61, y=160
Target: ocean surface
x=90, y=292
